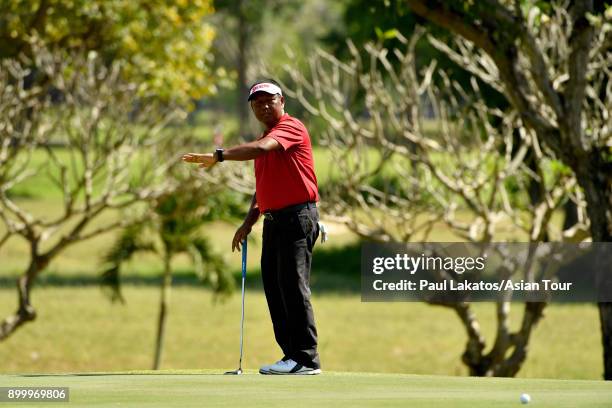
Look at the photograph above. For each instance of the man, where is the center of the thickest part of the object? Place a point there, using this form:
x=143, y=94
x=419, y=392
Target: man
x=286, y=194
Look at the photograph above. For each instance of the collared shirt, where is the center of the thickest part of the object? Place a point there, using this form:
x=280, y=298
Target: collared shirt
x=286, y=176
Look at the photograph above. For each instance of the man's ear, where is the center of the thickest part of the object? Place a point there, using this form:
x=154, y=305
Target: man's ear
x=282, y=100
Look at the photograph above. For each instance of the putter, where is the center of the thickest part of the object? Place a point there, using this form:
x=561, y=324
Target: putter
x=244, y=259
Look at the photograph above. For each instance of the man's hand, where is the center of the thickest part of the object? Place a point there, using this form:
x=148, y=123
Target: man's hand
x=205, y=159
x=240, y=236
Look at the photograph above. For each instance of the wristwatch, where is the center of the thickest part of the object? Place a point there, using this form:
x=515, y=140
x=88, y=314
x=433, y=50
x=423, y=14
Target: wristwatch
x=219, y=153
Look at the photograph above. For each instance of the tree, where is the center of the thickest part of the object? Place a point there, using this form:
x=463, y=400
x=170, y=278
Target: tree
x=553, y=65
x=242, y=23
x=240, y=42
x=178, y=218
x=425, y=152
x=115, y=156
x=165, y=45
x=256, y=31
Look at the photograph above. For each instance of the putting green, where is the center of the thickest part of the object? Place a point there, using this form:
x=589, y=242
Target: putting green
x=211, y=389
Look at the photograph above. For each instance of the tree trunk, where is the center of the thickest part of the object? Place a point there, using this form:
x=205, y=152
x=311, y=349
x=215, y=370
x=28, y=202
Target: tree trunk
x=472, y=356
x=511, y=364
x=242, y=88
x=510, y=349
x=163, y=308
x=605, y=318
x=25, y=311
x=597, y=185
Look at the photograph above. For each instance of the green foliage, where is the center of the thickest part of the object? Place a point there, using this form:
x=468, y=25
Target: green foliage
x=225, y=205
x=387, y=35
x=129, y=243
x=175, y=229
x=382, y=22
x=210, y=267
x=165, y=45
x=557, y=169
x=367, y=20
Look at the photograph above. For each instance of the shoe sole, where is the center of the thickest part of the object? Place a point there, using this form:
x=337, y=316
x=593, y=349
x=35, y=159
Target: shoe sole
x=308, y=372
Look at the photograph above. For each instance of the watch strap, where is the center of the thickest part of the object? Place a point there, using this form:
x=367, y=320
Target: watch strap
x=219, y=153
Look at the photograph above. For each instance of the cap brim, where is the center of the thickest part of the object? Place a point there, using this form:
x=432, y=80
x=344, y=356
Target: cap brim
x=265, y=87
x=251, y=96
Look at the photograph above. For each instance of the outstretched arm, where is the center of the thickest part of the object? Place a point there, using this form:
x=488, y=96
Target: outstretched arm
x=246, y=151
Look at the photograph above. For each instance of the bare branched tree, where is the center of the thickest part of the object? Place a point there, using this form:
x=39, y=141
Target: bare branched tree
x=414, y=150
x=553, y=65
x=115, y=153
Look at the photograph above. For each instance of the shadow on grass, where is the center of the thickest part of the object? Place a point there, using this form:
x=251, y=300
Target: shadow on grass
x=180, y=277
x=335, y=270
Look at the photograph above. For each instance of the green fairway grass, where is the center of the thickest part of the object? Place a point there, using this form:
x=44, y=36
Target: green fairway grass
x=333, y=389
x=78, y=330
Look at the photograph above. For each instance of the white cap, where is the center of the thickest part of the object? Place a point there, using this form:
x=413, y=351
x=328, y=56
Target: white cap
x=266, y=87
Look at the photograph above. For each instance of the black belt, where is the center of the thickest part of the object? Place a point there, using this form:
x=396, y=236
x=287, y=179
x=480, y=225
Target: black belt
x=271, y=215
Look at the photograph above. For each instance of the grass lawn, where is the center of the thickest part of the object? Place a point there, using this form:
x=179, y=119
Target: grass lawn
x=337, y=389
x=78, y=330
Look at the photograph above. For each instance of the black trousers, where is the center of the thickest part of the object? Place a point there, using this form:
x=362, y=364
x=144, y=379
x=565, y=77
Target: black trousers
x=286, y=258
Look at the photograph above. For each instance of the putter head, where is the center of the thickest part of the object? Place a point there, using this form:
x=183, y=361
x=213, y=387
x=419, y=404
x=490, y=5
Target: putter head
x=235, y=372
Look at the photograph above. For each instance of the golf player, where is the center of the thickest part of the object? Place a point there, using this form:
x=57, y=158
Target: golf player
x=286, y=194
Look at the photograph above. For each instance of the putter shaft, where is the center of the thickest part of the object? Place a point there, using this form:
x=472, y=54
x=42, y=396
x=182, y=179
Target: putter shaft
x=244, y=259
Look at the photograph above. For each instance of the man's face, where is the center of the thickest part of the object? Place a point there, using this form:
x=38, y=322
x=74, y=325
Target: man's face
x=267, y=108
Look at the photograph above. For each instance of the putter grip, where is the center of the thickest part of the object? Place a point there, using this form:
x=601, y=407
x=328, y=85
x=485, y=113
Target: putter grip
x=244, y=258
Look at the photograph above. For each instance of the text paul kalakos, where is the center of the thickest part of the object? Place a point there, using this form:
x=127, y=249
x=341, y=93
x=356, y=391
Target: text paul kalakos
x=450, y=285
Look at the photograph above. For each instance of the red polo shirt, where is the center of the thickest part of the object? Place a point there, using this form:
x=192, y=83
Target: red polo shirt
x=286, y=176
